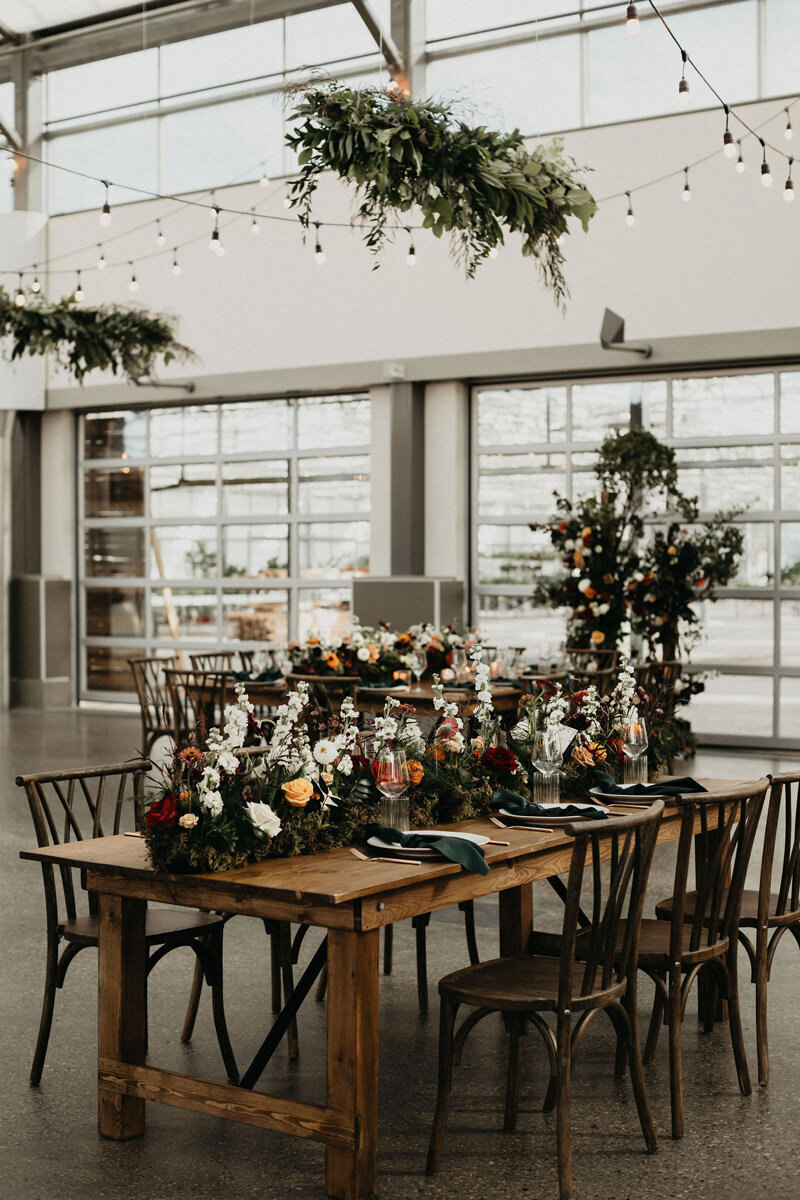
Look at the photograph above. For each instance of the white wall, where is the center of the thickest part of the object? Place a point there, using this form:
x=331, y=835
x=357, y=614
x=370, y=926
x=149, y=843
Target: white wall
x=266, y=317
x=22, y=241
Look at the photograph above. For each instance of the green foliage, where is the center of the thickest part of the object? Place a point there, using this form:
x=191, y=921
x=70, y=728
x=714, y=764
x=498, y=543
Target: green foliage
x=472, y=183
x=125, y=341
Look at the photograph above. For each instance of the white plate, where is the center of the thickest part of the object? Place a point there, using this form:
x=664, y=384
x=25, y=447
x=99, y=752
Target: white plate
x=548, y=821
x=423, y=851
x=390, y=687
x=625, y=797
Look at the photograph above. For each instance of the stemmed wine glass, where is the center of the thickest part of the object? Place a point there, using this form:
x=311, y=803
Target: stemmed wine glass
x=417, y=661
x=634, y=747
x=391, y=780
x=547, y=757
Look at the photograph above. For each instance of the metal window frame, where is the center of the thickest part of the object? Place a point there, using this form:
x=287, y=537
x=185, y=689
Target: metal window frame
x=292, y=584
x=776, y=517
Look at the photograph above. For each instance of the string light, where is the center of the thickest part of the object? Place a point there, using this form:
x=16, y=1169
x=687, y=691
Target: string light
x=133, y=286
x=493, y=251
x=35, y=286
x=215, y=214
x=264, y=180
x=176, y=266
x=561, y=239
x=728, y=140
x=160, y=239
x=319, y=253
x=19, y=299
x=105, y=211
x=78, y=295
x=630, y=219
x=687, y=191
x=215, y=245
x=788, y=132
x=788, y=187
x=740, y=163
x=287, y=201
x=632, y=21
x=101, y=262
x=766, y=176
x=683, y=86
x=255, y=227
x=411, y=257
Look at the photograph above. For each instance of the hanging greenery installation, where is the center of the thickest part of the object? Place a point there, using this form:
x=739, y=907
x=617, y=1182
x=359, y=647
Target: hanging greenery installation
x=471, y=182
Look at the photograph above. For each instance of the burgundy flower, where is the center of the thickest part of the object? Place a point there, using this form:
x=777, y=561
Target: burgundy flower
x=162, y=813
x=499, y=759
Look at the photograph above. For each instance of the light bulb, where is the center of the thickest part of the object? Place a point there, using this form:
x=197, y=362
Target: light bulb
x=687, y=191
x=133, y=286
x=220, y=251
x=788, y=191
x=740, y=163
x=101, y=262
x=319, y=255
x=493, y=251
x=255, y=227
x=287, y=201
x=215, y=245
x=766, y=177
x=160, y=239
x=12, y=165
x=560, y=239
x=105, y=214
x=788, y=132
x=36, y=286
x=264, y=180
x=78, y=295
x=683, y=93
x=411, y=257
x=630, y=219
x=728, y=144
x=632, y=21
x=19, y=299
x=176, y=266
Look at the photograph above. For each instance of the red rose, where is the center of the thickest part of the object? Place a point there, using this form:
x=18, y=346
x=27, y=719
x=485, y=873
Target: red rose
x=163, y=812
x=501, y=760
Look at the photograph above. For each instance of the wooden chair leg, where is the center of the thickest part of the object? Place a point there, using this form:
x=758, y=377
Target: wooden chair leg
x=322, y=985
x=637, y=1072
x=48, y=1003
x=735, y=1022
x=762, y=979
x=563, y=1131
x=675, y=1054
x=468, y=909
x=421, y=927
x=194, y=1002
x=512, y=1081
x=285, y=937
x=214, y=943
x=388, y=944
x=447, y=1019
x=656, y=1020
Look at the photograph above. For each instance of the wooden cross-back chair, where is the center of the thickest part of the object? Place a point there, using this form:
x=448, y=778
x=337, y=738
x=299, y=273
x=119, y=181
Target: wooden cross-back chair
x=91, y=802
x=574, y=976
x=592, y=660
x=218, y=661
x=603, y=679
x=154, y=701
x=697, y=930
x=198, y=700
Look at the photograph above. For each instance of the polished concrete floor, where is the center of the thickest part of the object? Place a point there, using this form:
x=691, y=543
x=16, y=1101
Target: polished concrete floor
x=736, y=1148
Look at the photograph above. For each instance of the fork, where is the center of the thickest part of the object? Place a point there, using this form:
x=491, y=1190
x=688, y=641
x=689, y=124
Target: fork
x=402, y=862
x=527, y=828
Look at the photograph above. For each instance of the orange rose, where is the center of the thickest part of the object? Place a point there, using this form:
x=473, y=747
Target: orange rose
x=608, y=577
x=333, y=661
x=415, y=770
x=597, y=751
x=586, y=533
x=579, y=560
x=312, y=641
x=590, y=593
x=598, y=637
x=436, y=752
x=298, y=792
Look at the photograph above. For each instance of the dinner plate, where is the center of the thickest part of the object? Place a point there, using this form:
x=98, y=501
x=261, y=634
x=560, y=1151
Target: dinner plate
x=378, y=843
x=547, y=820
x=389, y=687
x=625, y=797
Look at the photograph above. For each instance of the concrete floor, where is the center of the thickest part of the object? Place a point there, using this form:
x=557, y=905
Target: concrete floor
x=50, y=1150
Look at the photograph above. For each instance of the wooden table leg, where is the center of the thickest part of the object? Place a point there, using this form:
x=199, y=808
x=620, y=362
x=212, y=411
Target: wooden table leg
x=516, y=919
x=353, y=969
x=122, y=999
x=710, y=1005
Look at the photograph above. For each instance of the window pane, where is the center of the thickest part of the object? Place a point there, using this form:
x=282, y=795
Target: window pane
x=330, y=34
x=522, y=416
x=530, y=86
x=626, y=81
x=516, y=483
x=119, y=81
x=756, y=566
x=514, y=621
x=728, y=477
x=790, y=476
x=256, y=489
x=329, y=549
x=255, y=615
x=509, y=554
x=790, y=554
x=790, y=633
x=191, y=612
x=183, y=490
x=783, y=67
x=790, y=401
x=262, y=425
x=115, y=492
x=115, y=612
x=325, y=611
x=107, y=668
x=724, y=406
x=126, y=152
x=445, y=18
x=257, y=550
x=328, y=485
x=236, y=137
x=250, y=52
x=737, y=705
x=115, y=435
x=114, y=552
x=334, y=421
x=739, y=632
x=184, y=552
x=178, y=431
x=789, y=708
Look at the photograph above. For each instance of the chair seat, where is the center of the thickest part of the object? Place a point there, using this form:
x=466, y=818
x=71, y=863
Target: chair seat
x=526, y=983
x=162, y=925
x=749, y=917
x=654, y=938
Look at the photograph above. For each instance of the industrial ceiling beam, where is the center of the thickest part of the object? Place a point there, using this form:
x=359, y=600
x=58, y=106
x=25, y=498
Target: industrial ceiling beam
x=383, y=38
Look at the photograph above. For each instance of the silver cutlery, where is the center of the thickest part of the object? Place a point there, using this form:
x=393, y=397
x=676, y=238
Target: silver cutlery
x=398, y=862
x=527, y=828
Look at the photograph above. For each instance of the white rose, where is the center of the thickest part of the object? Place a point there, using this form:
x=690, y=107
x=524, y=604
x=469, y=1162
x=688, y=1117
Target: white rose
x=188, y=820
x=569, y=544
x=325, y=752
x=228, y=762
x=266, y=822
x=586, y=552
x=362, y=654
x=584, y=585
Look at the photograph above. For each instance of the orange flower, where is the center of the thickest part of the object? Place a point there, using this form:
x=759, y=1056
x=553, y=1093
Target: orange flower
x=598, y=637
x=586, y=533
x=312, y=641
x=190, y=754
x=403, y=639
x=183, y=796
x=672, y=550
x=416, y=771
x=579, y=560
x=597, y=751
x=590, y=593
x=298, y=792
x=436, y=752
x=333, y=661
x=608, y=577
x=374, y=653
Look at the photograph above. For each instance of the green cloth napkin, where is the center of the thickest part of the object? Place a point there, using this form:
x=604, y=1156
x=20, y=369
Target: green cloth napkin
x=458, y=850
x=670, y=787
x=521, y=807
x=387, y=683
x=271, y=675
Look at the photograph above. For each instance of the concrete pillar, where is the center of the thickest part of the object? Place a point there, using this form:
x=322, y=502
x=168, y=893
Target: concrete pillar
x=447, y=469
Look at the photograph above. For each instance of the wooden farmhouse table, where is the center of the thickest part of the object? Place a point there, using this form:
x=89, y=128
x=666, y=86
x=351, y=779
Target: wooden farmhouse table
x=351, y=899
x=505, y=699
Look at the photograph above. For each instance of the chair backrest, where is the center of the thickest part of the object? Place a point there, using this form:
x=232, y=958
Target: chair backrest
x=615, y=892
x=69, y=806
x=722, y=828
x=151, y=688
x=218, y=661
x=782, y=829
x=593, y=660
x=603, y=678
x=198, y=701
x=658, y=679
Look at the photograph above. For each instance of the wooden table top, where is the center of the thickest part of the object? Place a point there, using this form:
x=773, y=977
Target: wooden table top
x=421, y=694
x=334, y=877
